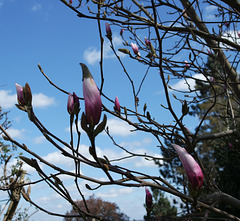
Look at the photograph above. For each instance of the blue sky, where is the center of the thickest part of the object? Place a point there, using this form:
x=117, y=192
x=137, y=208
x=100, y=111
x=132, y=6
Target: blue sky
x=47, y=32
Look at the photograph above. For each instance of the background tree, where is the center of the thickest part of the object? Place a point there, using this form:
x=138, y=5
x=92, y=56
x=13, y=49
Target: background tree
x=98, y=207
x=12, y=177
x=161, y=207
x=220, y=156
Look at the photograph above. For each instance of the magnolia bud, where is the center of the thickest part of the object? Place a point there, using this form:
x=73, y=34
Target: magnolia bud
x=92, y=98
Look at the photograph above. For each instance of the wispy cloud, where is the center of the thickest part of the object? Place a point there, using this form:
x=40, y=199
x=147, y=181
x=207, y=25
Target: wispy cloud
x=209, y=12
x=184, y=85
x=15, y=133
x=115, y=126
x=8, y=100
x=39, y=140
x=1, y=4
x=119, y=127
x=41, y=100
x=92, y=54
x=115, y=192
x=36, y=7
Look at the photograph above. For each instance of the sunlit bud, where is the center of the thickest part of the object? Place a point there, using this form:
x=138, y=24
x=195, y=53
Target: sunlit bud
x=70, y=2
x=121, y=32
x=148, y=199
x=191, y=167
x=108, y=31
x=73, y=104
x=135, y=49
x=92, y=98
x=117, y=105
x=24, y=94
x=20, y=98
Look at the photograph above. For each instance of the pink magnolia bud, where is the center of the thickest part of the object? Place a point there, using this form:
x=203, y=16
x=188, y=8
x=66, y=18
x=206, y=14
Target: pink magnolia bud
x=73, y=104
x=117, y=105
x=108, y=31
x=121, y=32
x=92, y=98
x=148, y=199
x=24, y=94
x=191, y=167
x=147, y=42
x=135, y=49
x=20, y=97
x=70, y=2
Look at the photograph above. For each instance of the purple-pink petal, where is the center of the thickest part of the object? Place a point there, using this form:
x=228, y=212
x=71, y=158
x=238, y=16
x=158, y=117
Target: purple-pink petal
x=148, y=199
x=93, y=102
x=117, y=105
x=20, y=96
x=191, y=167
x=70, y=103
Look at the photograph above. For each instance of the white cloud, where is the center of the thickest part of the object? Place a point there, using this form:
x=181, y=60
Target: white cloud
x=15, y=133
x=41, y=100
x=146, y=162
x=184, y=85
x=7, y=100
x=58, y=158
x=119, y=127
x=39, y=140
x=36, y=7
x=115, y=192
x=92, y=54
x=209, y=12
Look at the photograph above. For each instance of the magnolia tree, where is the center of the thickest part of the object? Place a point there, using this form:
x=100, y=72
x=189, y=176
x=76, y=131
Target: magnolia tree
x=178, y=40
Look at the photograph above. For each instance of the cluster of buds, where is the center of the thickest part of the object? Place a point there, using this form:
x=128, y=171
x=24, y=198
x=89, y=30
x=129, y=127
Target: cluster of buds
x=191, y=167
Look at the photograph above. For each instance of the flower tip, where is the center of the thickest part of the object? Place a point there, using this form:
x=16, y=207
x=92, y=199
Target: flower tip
x=85, y=71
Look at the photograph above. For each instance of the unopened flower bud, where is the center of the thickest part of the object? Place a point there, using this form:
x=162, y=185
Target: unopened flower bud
x=148, y=199
x=73, y=104
x=117, y=105
x=108, y=31
x=191, y=167
x=121, y=32
x=24, y=94
x=135, y=49
x=92, y=98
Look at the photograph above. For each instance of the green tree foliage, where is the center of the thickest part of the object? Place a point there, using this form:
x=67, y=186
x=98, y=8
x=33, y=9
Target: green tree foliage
x=11, y=177
x=161, y=206
x=96, y=206
x=221, y=153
